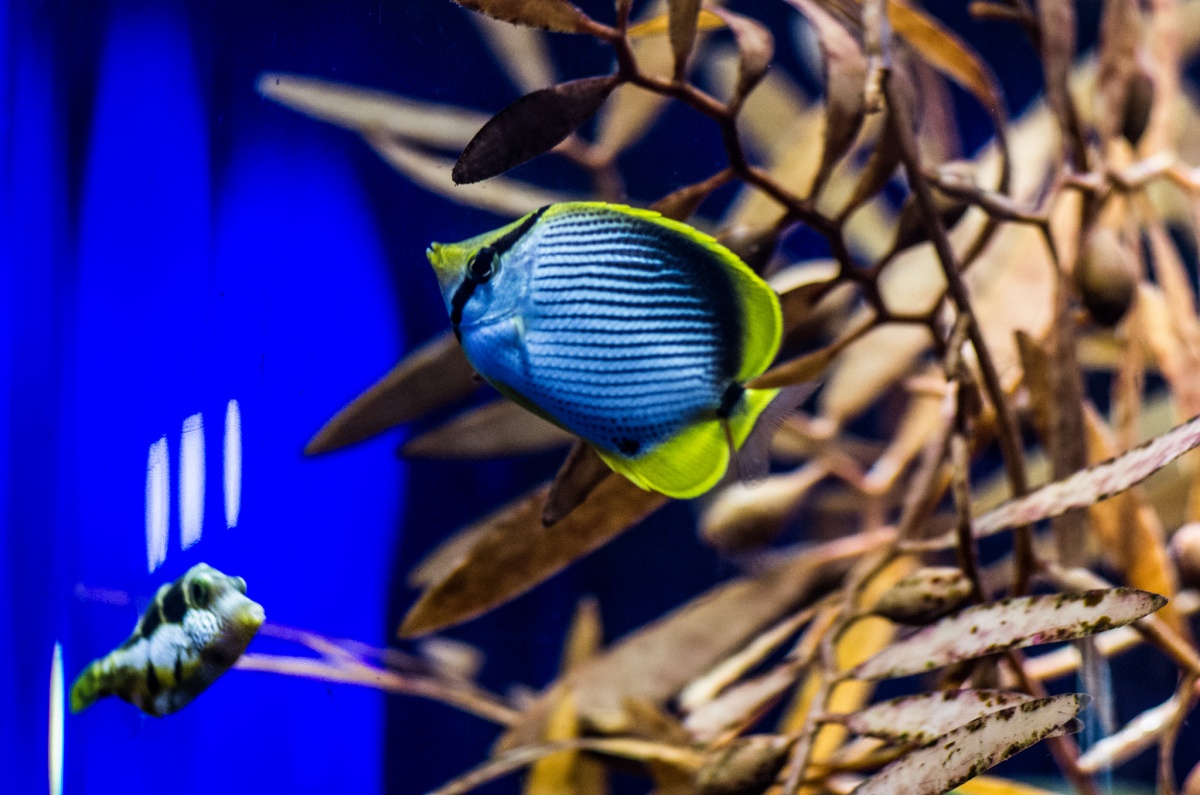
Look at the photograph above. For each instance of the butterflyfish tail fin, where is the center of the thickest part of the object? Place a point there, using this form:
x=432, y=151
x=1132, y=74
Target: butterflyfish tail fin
x=87, y=688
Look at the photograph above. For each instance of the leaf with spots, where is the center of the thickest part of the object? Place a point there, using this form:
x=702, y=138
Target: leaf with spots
x=969, y=750
x=1085, y=488
x=1009, y=624
x=919, y=719
x=427, y=379
x=531, y=126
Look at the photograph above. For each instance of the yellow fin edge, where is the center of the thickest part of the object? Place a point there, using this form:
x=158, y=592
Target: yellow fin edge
x=693, y=461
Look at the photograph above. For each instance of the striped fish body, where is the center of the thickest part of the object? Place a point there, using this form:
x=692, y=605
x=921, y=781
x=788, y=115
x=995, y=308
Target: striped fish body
x=195, y=630
x=629, y=330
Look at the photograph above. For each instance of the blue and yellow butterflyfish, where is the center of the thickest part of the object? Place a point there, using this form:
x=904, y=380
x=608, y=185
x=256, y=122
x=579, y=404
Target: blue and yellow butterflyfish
x=195, y=630
x=632, y=331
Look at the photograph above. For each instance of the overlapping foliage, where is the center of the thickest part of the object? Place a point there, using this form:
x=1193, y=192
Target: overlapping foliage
x=973, y=309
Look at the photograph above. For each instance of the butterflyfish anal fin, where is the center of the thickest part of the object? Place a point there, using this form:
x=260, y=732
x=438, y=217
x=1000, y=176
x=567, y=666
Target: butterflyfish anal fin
x=694, y=460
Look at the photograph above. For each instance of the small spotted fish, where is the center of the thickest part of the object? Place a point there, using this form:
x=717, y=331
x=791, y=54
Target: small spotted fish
x=628, y=329
x=193, y=632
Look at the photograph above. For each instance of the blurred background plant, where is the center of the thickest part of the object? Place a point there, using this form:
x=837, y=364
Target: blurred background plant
x=988, y=305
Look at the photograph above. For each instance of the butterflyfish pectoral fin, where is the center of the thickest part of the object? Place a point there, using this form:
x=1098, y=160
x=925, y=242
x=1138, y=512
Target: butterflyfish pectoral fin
x=695, y=459
x=754, y=452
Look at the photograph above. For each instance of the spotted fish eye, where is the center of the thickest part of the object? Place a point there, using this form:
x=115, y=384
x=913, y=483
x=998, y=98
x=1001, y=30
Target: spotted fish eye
x=200, y=591
x=483, y=265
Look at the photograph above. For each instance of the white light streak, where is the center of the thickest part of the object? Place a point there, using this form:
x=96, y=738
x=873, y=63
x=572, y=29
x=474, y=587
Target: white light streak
x=233, y=463
x=191, y=481
x=55, y=749
x=158, y=503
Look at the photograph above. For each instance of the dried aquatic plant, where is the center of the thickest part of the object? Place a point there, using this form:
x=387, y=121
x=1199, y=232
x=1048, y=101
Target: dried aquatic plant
x=977, y=305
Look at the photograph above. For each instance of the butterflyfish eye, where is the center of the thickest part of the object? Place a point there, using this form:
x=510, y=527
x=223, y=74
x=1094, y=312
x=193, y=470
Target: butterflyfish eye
x=483, y=265
x=199, y=591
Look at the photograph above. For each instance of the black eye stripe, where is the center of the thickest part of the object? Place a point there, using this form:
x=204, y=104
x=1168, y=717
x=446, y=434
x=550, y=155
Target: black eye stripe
x=486, y=256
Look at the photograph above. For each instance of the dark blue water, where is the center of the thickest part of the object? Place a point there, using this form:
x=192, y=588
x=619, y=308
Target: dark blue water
x=194, y=280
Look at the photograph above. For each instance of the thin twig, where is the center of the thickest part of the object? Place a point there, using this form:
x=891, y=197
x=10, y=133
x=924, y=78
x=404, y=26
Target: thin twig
x=1010, y=440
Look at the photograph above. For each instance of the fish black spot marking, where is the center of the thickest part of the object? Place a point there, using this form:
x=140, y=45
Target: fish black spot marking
x=729, y=400
x=178, y=667
x=153, y=685
x=150, y=622
x=174, y=604
x=627, y=445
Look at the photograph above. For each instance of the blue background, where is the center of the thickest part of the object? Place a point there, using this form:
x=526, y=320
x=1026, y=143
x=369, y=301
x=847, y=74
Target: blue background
x=171, y=242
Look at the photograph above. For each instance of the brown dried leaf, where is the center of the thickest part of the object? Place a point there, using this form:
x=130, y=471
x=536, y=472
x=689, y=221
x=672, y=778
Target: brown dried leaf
x=568, y=772
x=681, y=30
x=919, y=719
x=1093, y=484
x=651, y=722
x=969, y=750
x=496, y=429
x=523, y=52
x=808, y=367
x=625, y=748
x=586, y=635
x=740, y=705
x=1057, y=25
x=656, y=661
x=681, y=204
x=1129, y=529
x=845, y=78
x=706, y=688
x=993, y=785
x=1172, y=278
x=581, y=472
x=631, y=110
x=756, y=47
x=517, y=552
x=859, y=641
x=947, y=53
x=500, y=195
x=557, y=15
x=923, y=417
x=1009, y=624
x=745, y=765
x=430, y=377
x=1120, y=37
x=1066, y=444
x=800, y=288
x=868, y=366
x=370, y=111
x=531, y=126
x=925, y=595
x=749, y=516
x=878, y=171
x=656, y=26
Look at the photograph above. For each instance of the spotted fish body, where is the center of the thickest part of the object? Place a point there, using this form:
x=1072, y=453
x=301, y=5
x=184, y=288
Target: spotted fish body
x=627, y=329
x=194, y=631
